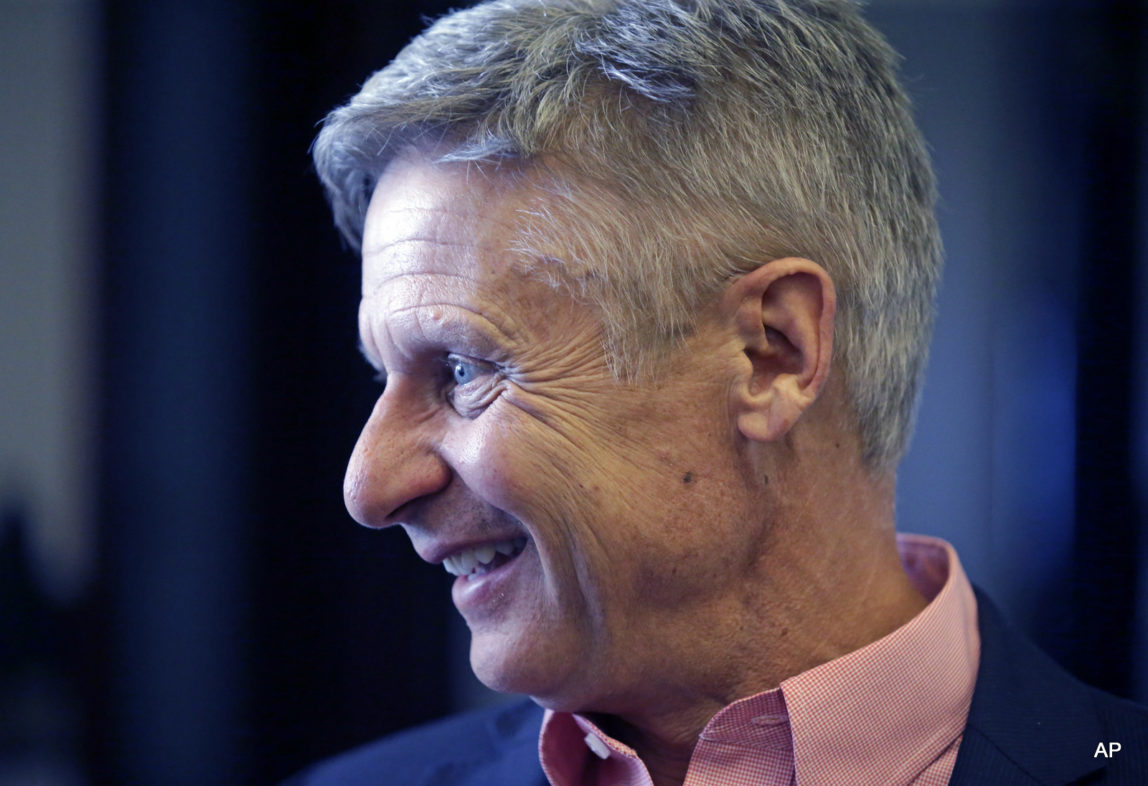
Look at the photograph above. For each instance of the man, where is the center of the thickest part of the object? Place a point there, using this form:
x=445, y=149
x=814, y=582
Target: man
x=651, y=284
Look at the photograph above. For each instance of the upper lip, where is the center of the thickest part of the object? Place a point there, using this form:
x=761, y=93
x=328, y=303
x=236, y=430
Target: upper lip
x=435, y=551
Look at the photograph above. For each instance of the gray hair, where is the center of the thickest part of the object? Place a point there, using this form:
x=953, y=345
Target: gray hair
x=682, y=142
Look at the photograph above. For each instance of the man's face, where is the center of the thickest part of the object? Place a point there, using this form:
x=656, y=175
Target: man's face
x=592, y=521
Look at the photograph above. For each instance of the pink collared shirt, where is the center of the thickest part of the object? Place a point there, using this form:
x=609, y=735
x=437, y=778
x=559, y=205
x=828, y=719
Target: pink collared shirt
x=891, y=712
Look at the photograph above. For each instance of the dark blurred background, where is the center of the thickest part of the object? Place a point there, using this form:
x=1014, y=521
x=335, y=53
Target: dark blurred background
x=184, y=599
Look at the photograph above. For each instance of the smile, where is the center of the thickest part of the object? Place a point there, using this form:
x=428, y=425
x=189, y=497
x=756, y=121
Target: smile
x=482, y=559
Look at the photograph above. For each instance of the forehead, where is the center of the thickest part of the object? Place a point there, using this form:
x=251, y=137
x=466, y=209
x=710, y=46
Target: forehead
x=453, y=219
x=444, y=257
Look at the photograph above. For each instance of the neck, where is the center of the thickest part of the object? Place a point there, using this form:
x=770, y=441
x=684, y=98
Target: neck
x=666, y=757
x=827, y=583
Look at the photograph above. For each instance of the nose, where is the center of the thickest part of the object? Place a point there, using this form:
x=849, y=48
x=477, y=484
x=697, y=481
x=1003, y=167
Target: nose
x=395, y=461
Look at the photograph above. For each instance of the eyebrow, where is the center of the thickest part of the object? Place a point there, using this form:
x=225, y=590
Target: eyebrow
x=474, y=334
x=463, y=327
x=382, y=372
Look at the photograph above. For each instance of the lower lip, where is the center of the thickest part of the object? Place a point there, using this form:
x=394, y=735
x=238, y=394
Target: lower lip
x=475, y=594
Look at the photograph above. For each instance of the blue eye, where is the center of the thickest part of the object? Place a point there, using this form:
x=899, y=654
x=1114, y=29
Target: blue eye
x=463, y=371
x=469, y=385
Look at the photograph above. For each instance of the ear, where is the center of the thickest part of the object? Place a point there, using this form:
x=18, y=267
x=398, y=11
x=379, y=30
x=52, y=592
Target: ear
x=783, y=314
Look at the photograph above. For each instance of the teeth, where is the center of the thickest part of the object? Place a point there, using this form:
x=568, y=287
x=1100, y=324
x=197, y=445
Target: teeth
x=476, y=559
x=466, y=562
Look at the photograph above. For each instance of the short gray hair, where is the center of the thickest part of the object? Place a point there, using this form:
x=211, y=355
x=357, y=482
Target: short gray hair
x=692, y=141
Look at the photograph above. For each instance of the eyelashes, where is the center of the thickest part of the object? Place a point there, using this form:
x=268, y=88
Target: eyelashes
x=463, y=371
x=467, y=384
x=470, y=385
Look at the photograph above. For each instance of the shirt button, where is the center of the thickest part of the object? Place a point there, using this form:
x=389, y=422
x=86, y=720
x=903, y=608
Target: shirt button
x=601, y=749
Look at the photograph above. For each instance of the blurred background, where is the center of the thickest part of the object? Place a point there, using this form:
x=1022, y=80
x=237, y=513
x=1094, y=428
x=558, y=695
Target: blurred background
x=183, y=599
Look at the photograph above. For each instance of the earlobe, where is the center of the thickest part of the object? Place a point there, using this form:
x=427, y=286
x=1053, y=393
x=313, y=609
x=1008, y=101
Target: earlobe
x=783, y=313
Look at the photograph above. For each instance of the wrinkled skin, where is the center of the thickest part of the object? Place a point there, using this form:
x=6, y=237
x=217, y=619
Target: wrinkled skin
x=501, y=419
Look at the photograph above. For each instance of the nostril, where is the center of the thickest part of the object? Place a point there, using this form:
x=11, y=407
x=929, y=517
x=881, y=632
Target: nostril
x=403, y=514
x=381, y=489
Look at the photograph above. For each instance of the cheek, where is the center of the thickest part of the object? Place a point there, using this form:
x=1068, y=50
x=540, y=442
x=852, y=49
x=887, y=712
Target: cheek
x=511, y=466
x=611, y=522
x=518, y=468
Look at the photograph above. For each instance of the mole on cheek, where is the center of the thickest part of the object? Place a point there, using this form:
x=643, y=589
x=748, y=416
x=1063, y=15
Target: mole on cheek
x=688, y=477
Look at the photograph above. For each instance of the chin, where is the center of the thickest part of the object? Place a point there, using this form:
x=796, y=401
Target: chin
x=537, y=671
x=502, y=668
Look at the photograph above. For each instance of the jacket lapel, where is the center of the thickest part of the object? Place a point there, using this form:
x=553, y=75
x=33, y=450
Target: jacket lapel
x=1029, y=722
x=506, y=752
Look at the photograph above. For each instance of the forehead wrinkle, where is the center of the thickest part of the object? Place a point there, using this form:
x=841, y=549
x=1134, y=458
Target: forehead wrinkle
x=418, y=309
x=453, y=223
x=480, y=292
x=478, y=245
x=477, y=264
x=508, y=337
x=378, y=283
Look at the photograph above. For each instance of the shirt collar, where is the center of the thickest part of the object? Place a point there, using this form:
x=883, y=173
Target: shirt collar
x=880, y=714
x=893, y=706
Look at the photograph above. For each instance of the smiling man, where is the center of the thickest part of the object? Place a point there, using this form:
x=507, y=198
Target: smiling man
x=651, y=286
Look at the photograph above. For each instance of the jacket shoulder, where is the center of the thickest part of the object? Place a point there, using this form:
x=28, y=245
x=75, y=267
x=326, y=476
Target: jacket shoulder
x=491, y=745
x=1031, y=722
x=1126, y=724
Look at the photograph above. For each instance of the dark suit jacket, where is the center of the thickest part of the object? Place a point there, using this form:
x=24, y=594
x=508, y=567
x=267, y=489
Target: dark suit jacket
x=1030, y=723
